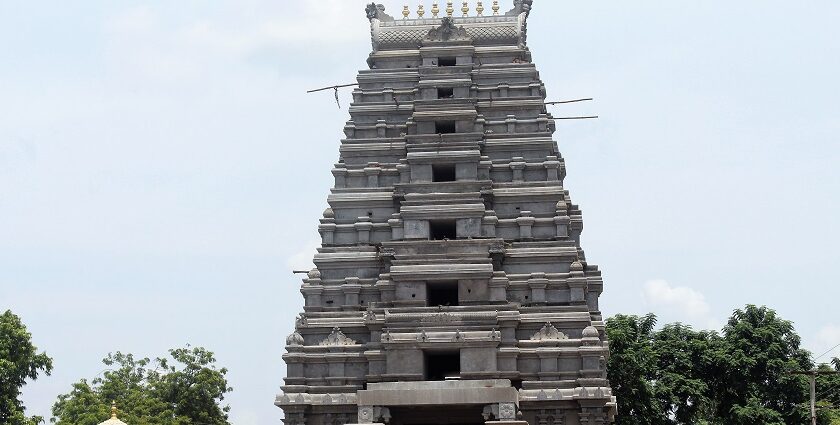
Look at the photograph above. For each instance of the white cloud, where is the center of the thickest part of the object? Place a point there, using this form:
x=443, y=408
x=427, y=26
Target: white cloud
x=679, y=303
x=660, y=293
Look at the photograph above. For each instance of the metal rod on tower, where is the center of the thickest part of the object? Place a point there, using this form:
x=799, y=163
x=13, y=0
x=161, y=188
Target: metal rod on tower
x=333, y=87
x=588, y=117
x=569, y=101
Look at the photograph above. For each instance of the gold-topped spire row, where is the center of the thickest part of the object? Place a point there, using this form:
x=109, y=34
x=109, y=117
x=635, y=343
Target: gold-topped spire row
x=466, y=9
x=435, y=10
x=495, y=7
x=420, y=11
x=406, y=12
x=449, y=9
x=479, y=9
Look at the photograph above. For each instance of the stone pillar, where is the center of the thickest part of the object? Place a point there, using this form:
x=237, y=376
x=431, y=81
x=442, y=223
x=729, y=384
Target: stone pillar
x=340, y=177
x=480, y=121
x=503, y=89
x=498, y=287
x=396, y=224
x=562, y=220
x=351, y=288
x=552, y=167
x=363, y=227
x=387, y=289
x=484, y=167
x=381, y=128
x=526, y=223
x=538, y=282
x=372, y=172
x=577, y=283
x=489, y=223
x=517, y=165
x=542, y=123
x=405, y=171
x=511, y=123
x=350, y=129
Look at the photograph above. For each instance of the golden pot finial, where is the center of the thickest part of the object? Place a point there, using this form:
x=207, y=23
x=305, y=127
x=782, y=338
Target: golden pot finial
x=435, y=10
x=479, y=9
x=420, y=11
x=495, y=7
x=449, y=9
x=466, y=9
x=113, y=410
x=406, y=12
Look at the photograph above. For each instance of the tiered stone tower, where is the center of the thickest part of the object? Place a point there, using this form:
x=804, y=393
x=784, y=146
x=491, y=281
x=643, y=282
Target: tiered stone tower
x=450, y=287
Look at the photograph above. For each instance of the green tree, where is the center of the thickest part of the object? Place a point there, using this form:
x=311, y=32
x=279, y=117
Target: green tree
x=185, y=389
x=761, y=351
x=687, y=363
x=631, y=367
x=19, y=361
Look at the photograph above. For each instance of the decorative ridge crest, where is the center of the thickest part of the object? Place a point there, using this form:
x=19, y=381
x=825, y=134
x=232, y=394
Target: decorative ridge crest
x=549, y=332
x=337, y=338
x=377, y=11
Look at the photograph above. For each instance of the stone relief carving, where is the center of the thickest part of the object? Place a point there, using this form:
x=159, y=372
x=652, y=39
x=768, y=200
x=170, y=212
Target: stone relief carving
x=337, y=338
x=507, y=411
x=447, y=31
x=370, y=315
x=294, y=339
x=439, y=318
x=548, y=332
x=371, y=414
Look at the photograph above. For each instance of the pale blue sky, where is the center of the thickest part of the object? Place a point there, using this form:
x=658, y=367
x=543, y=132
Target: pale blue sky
x=162, y=170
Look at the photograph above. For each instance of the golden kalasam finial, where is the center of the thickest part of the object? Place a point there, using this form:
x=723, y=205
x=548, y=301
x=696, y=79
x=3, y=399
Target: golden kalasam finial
x=435, y=10
x=420, y=11
x=449, y=9
x=466, y=9
x=495, y=7
x=113, y=410
x=479, y=9
x=406, y=12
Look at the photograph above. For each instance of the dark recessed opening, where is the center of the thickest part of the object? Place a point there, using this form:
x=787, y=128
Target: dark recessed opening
x=443, y=173
x=446, y=93
x=442, y=294
x=443, y=229
x=442, y=364
x=446, y=61
x=444, y=127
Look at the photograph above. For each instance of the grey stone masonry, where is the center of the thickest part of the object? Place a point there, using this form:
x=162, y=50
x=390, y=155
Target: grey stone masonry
x=450, y=286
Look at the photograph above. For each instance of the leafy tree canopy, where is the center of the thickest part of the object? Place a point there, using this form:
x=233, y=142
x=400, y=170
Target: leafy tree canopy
x=19, y=361
x=184, y=389
x=676, y=375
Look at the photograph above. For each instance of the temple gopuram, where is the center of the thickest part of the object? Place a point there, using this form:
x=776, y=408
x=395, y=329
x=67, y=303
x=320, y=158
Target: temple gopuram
x=450, y=286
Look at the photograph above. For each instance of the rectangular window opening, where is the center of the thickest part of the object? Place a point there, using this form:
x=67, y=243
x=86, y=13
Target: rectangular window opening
x=446, y=93
x=443, y=229
x=444, y=127
x=442, y=365
x=443, y=173
x=447, y=61
x=442, y=294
